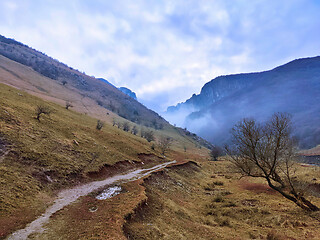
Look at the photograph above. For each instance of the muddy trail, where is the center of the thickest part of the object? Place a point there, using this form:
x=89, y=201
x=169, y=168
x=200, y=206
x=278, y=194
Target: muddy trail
x=68, y=196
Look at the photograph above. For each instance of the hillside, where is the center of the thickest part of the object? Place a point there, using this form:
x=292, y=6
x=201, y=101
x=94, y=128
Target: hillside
x=45, y=164
x=64, y=149
x=293, y=88
x=66, y=79
x=38, y=158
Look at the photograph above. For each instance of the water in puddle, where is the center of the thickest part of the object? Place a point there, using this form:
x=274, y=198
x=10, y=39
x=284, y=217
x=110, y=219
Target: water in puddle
x=109, y=193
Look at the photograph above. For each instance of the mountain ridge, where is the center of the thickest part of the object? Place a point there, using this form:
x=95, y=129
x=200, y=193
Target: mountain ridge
x=105, y=94
x=293, y=87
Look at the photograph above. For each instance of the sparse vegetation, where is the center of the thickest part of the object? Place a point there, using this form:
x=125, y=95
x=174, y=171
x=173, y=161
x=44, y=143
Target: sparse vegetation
x=99, y=125
x=126, y=127
x=42, y=110
x=149, y=135
x=134, y=130
x=164, y=144
x=68, y=105
x=215, y=152
x=267, y=151
x=218, y=183
x=218, y=198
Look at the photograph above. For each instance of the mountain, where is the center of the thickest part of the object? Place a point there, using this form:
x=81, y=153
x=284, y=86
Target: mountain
x=293, y=88
x=65, y=146
x=128, y=92
x=70, y=80
x=125, y=90
x=106, y=81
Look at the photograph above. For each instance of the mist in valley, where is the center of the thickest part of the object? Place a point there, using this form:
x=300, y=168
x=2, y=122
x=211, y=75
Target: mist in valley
x=293, y=88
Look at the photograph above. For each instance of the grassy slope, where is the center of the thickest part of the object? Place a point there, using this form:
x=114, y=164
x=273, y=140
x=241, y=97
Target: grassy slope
x=36, y=150
x=182, y=204
x=311, y=152
x=212, y=202
x=24, y=78
x=56, y=152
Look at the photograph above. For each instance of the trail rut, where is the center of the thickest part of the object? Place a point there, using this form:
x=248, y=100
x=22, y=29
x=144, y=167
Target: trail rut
x=68, y=196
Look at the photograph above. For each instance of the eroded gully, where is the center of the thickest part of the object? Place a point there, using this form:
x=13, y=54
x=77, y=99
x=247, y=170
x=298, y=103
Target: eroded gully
x=67, y=196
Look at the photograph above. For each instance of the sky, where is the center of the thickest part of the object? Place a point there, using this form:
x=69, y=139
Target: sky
x=165, y=51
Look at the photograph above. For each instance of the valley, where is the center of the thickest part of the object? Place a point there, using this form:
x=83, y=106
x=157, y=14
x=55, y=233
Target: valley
x=66, y=138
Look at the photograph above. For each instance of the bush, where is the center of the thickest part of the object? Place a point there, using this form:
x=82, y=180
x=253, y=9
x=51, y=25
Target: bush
x=68, y=105
x=100, y=125
x=126, y=127
x=164, y=144
x=149, y=135
x=218, y=198
x=41, y=109
x=134, y=130
x=218, y=183
x=215, y=153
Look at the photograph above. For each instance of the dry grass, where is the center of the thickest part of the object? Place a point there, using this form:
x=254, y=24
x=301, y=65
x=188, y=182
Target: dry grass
x=187, y=204
x=47, y=155
x=76, y=221
x=59, y=151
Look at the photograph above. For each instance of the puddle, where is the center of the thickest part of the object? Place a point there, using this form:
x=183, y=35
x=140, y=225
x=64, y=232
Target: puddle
x=67, y=196
x=109, y=193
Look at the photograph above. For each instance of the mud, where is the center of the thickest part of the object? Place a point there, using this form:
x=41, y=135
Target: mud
x=68, y=196
x=161, y=180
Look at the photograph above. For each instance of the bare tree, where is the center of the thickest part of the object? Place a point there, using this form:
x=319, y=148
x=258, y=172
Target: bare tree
x=126, y=126
x=134, y=130
x=215, y=152
x=142, y=132
x=149, y=135
x=68, y=105
x=267, y=151
x=164, y=144
x=41, y=109
x=100, y=125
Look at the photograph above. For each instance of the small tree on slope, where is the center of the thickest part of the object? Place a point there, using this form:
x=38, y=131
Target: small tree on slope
x=266, y=151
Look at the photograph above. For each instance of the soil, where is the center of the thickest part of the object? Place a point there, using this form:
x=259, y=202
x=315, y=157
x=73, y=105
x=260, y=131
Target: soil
x=68, y=196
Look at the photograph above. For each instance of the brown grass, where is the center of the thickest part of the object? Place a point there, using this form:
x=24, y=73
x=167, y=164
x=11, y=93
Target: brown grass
x=180, y=207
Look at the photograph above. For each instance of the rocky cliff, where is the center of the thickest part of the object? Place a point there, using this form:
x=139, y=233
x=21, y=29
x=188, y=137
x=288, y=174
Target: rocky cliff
x=293, y=88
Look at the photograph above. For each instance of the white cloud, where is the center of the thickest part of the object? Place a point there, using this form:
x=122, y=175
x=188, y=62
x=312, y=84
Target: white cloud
x=165, y=50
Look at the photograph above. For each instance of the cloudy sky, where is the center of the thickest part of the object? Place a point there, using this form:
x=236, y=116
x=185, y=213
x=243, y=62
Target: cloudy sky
x=165, y=50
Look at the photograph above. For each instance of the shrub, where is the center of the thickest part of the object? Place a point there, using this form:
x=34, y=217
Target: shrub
x=100, y=125
x=218, y=183
x=68, y=105
x=215, y=153
x=149, y=135
x=41, y=109
x=218, y=198
x=126, y=126
x=164, y=144
x=134, y=130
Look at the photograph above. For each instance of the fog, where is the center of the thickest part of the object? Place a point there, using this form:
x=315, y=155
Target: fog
x=288, y=89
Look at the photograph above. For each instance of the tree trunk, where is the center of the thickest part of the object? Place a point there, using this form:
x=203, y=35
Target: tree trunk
x=300, y=201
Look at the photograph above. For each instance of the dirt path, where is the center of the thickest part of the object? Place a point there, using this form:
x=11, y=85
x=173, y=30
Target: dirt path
x=68, y=196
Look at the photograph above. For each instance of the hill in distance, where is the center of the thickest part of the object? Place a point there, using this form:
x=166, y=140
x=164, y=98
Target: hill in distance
x=194, y=199
x=63, y=149
x=66, y=79
x=293, y=88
